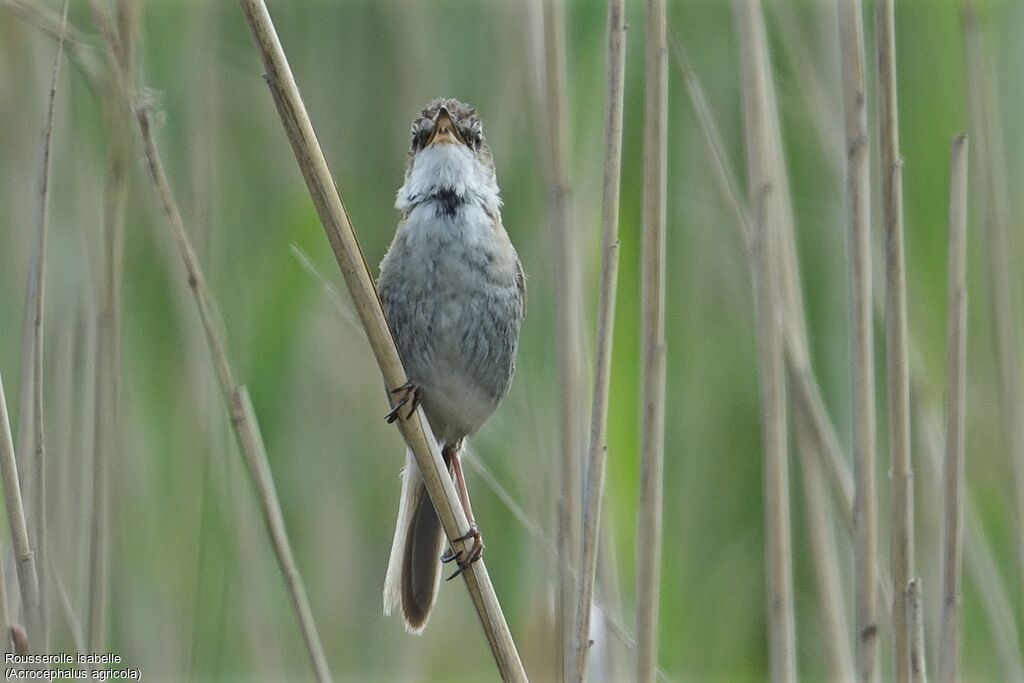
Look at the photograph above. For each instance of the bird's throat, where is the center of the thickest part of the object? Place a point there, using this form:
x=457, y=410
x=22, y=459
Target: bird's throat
x=447, y=201
x=449, y=178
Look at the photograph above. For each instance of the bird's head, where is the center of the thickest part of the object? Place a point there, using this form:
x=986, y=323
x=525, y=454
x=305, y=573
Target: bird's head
x=448, y=156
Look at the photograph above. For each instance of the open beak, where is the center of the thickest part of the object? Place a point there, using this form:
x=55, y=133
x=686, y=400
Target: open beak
x=444, y=130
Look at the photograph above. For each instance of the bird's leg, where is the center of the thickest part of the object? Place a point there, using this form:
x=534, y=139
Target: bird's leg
x=409, y=396
x=476, y=550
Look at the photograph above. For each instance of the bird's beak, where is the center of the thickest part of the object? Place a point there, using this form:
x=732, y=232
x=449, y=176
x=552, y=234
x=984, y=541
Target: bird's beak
x=444, y=130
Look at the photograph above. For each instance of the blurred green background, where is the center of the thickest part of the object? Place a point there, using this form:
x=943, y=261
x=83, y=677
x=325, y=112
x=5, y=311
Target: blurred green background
x=195, y=590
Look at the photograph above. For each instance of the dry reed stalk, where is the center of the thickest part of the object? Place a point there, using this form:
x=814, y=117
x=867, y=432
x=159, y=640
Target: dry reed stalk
x=568, y=328
x=809, y=402
x=545, y=542
x=37, y=293
x=70, y=619
x=765, y=270
x=99, y=521
x=598, y=452
x=980, y=556
x=810, y=395
x=822, y=542
x=983, y=102
x=652, y=426
x=995, y=597
x=120, y=41
x=956, y=417
x=28, y=578
x=25, y=445
x=781, y=620
x=820, y=437
x=242, y=417
x=792, y=293
x=617, y=657
x=851, y=37
x=810, y=432
x=5, y=610
x=243, y=420
x=30, y=426
x=912, y=596
x=897, y=361
x=808, y=392
x=610, y=609
x=77, y=43
x=978, y=552
x=345, y=246
x=796, y=46
x=724, y=173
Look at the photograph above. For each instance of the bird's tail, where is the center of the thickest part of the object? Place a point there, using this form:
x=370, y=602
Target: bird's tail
x=414, y=570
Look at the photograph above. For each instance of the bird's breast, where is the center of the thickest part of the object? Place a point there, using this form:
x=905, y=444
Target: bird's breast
x=449, y=288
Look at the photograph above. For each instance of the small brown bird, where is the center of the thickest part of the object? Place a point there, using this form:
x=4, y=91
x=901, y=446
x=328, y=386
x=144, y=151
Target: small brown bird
x=454, y=295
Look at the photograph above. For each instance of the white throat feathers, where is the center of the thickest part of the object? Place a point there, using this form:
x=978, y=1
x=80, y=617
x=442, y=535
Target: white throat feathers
x=451, y=175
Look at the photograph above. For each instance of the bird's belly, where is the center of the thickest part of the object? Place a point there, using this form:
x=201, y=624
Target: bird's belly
x=454, y=405
x=455, y=317
x=456, y=353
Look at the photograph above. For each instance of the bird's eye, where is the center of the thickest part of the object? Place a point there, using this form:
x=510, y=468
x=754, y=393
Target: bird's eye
x=419, y=137
x=472, y=137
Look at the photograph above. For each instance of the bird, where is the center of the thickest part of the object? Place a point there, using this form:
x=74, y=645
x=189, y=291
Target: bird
x=454, y=294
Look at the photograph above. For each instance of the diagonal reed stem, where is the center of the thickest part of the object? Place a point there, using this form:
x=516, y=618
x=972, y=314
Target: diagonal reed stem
x=80, y=52
x=243, y=419
x=356, y=273
x=815, y=440
x=809, y=405
x=28, y=580
x=598, y=452
x=979, y=555
x=983, y=103
x=535, y=529
x=821, y=536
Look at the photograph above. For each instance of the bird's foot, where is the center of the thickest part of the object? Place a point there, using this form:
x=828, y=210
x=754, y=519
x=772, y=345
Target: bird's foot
x=409, y=395
x=463, y=560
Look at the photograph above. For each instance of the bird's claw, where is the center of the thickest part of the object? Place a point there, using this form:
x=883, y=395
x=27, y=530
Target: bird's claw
x=410, y=396
x=475, y=552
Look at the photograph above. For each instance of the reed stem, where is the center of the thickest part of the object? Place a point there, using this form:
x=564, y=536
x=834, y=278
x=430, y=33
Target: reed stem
x=356, y=273
x=568, y=326
x=652, y=427
x=766, y=261
x=28, y=578
x=897, y=361
x=598, y=452
x=956, y=417
x=34, y=356
x=858, y=188
x=243, y=420
x=983, y=103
